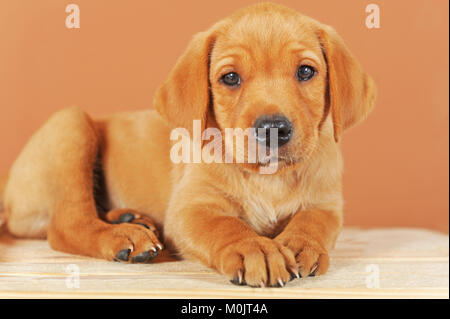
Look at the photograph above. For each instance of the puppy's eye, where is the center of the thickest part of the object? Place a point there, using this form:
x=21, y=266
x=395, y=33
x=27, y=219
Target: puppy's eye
x=305, y=72
x=231, y=79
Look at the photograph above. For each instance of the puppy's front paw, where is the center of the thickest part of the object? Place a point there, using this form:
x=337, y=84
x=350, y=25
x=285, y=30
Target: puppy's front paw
x=257, y=262
x=312, y=259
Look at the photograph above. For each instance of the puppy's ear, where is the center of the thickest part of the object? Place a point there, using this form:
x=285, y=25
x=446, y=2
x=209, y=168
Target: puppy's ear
x=185, y=94
x=351, y=91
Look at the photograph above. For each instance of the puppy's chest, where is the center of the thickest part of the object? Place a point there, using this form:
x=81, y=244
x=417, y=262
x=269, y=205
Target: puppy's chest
x=269, y=203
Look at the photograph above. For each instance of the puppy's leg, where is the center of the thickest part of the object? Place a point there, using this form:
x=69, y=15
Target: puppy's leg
x=50, y=191
x=204, y=227
x=310, y=235
x=124, y=241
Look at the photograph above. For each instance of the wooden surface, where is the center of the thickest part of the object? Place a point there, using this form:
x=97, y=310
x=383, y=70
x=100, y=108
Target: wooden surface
x=402, y=263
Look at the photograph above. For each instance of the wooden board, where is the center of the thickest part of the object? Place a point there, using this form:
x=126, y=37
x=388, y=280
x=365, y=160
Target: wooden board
x=370, y=263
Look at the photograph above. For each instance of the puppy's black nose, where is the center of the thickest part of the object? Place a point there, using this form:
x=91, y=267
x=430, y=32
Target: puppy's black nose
x=263, y=125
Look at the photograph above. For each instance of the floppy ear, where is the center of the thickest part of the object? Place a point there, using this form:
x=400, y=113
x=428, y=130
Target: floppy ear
x=351, y=91
x=185, y=96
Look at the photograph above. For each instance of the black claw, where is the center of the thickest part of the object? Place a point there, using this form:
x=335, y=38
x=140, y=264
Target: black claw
x=279, y=285
x=126, y=218
x=141, y=258
x=123, y=255
x=293, y=276
x=235, y=281
x=146, y=226
x=313, y=274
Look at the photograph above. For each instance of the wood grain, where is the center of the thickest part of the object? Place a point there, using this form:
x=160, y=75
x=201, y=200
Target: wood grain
x=411, y=263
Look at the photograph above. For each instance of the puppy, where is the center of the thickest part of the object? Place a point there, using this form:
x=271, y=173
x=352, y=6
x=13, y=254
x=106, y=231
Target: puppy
x=106, y=187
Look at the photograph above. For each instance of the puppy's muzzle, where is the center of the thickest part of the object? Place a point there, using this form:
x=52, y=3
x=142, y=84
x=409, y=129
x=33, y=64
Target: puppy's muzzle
x=282, y=125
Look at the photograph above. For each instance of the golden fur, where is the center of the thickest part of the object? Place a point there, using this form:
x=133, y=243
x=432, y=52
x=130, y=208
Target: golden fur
x=256, y=229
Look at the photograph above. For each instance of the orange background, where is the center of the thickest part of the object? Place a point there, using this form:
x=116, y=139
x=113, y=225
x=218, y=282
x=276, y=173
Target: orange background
x=397, y=171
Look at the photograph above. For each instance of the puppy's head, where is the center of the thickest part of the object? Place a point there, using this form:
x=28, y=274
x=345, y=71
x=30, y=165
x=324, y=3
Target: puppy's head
x=268, y=66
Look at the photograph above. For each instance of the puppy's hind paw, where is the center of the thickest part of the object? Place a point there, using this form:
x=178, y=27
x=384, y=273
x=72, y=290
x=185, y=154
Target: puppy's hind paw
x=131, y=237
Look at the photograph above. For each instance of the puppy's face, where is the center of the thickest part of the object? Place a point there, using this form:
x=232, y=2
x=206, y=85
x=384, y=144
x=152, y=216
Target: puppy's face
x=264, y=67
x=268, y=71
